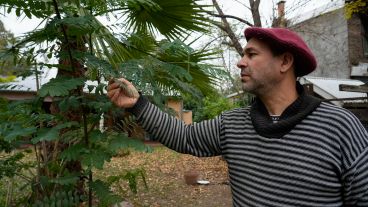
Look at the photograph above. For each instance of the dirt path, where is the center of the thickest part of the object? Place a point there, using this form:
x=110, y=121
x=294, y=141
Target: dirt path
x=165, y=178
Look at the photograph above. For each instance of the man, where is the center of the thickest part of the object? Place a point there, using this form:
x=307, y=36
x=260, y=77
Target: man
x=287, y=148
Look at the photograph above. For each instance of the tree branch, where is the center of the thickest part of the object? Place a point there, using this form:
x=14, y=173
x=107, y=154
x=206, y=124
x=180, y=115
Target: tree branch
x=254, y=5
x=230, y=16
x=56, y=7
x=226, y=27
x=210, y=42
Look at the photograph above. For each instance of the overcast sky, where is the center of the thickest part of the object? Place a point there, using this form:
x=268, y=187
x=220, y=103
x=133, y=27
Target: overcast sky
x=297, y=10
x=294, y=8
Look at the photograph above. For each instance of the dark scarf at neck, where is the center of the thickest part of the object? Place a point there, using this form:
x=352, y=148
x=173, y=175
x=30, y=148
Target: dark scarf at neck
x=291, y=116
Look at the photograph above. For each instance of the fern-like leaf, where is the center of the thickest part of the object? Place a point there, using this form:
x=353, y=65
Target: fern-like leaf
x=60, y=86
x=103, y=192
x=50, y=134
x=95, y=158
x=118, y=142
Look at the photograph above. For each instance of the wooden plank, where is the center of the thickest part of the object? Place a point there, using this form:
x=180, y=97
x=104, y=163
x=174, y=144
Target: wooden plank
x=346, y=99
x=361, y=88
x=360, y=105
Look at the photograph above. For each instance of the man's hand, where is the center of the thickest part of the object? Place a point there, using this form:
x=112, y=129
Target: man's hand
x=122, y=93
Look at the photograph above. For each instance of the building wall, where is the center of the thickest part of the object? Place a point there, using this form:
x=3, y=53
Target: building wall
x=327, y=36
x=356, y=32
x=177, y=106
x=188, y=117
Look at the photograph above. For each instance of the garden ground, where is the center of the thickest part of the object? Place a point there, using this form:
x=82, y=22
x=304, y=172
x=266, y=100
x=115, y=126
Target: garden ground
x=165, y=170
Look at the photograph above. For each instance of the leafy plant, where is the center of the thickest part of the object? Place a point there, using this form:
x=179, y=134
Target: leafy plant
x=356, y=7
x=7, y=69
x=65, y=134
x=65, y=199
x=130, y=176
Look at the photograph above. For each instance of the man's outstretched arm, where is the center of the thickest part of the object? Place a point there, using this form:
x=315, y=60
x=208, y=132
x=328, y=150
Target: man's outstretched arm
x=199, y=139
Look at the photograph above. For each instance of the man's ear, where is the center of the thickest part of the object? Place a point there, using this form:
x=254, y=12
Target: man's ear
x=287, y=62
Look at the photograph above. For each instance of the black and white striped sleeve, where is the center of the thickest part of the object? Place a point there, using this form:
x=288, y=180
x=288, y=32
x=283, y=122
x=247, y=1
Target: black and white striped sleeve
x=354, y=148
x=199, y=139
x=356, y=182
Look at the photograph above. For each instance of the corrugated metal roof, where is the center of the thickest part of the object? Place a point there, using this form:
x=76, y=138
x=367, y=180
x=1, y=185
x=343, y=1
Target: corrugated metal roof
x=328, y=88
x=29, y=83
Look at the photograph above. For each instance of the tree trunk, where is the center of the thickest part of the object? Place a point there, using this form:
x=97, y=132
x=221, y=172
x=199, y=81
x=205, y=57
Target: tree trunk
x=69, y=67
x=254, y=7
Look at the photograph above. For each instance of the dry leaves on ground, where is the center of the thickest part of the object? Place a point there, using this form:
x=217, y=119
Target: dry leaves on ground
x=165, y=179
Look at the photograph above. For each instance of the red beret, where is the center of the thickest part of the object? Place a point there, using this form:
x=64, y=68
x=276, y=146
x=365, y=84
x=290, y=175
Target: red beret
x=289, y=41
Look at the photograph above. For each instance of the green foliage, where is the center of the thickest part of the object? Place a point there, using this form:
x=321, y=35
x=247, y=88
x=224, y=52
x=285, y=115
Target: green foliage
x=95, y=158
x=14, y=181
x=213, y=106
x=50, y=134
x=117, y=143
x=60, y=86
x=131, y=176
x=14, y=191
x=7, y=68
x=149, y=15
x=68, y=179
x=356, y=7
x=103, y=192
x=64, y=199
x=9, y=166
x=208, y=108
x=65, y=134
x=7, y=79
x=16, y=122
x=29, y=8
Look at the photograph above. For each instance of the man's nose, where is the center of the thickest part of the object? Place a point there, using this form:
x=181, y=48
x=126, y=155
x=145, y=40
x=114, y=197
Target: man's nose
x=241, y=63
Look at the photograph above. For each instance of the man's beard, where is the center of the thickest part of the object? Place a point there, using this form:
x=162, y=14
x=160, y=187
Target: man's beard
x=252, y=86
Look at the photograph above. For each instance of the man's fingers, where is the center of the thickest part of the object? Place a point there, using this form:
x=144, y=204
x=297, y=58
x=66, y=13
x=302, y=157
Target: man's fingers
x=125, y=81
x=112, y=92
x=120, y=90
x=115, y=96
x=112, y=85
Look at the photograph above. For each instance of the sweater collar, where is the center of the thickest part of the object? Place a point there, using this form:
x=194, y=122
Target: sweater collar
x=292, y=115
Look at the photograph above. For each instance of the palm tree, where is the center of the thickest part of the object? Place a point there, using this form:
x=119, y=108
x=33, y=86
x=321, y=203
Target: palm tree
x=69, y=144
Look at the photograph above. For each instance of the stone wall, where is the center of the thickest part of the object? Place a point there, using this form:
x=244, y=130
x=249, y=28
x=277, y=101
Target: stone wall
x=327, y=36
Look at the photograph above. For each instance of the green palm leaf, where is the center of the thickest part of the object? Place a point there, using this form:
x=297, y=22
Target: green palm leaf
x=172, y=18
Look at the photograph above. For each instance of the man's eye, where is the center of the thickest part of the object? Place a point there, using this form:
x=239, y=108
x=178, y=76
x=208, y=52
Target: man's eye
x=251, y=54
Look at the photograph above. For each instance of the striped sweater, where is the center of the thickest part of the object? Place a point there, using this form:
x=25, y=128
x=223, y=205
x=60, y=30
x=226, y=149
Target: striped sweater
x=321, y=160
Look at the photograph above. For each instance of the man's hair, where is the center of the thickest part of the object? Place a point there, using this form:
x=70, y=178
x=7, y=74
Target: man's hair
x=276, y=50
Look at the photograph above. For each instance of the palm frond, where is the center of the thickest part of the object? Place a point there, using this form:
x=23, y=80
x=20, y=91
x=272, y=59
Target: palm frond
x=172, y=18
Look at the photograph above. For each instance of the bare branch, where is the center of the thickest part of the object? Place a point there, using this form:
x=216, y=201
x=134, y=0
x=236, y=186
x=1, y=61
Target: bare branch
x=230, y=16
x=242, y=4
x=226, y=27
x=210, y=42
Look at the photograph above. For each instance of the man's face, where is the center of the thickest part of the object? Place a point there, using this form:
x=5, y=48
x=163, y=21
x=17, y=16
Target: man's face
x=260, y=69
